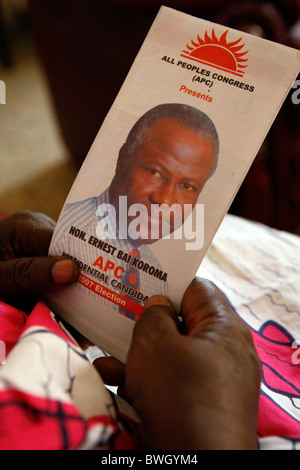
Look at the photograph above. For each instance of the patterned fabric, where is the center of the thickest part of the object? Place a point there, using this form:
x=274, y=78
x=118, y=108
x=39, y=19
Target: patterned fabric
x=257, y=268
x=51, y=396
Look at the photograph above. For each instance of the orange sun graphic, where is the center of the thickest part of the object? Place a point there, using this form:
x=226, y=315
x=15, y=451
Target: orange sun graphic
x=218, y=53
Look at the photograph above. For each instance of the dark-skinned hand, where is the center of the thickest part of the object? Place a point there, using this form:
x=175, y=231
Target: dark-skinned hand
x=194, y=385
x=26, y=270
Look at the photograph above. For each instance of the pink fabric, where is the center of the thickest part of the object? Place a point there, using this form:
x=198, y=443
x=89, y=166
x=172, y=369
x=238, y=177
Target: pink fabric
x=30, y=421
x=280, y=395
x=12, y=322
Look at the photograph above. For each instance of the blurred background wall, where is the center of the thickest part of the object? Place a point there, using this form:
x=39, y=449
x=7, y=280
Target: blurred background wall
x=64, y=61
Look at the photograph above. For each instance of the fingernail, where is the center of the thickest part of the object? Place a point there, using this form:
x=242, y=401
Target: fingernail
x=63, y=271
x=158, y=300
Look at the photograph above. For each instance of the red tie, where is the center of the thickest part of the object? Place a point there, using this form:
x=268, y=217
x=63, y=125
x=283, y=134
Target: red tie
x=131, y=279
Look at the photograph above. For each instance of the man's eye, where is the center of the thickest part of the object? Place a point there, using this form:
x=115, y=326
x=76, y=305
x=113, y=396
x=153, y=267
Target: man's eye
x=187, y=187
x=156, y=174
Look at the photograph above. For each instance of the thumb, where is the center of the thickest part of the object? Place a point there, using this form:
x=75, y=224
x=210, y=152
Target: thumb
x=35, y=275
x=157, y=322
x=158, y=316
x=204, y=308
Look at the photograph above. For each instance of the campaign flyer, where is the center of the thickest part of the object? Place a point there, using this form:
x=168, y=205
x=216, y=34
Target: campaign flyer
x=164, y=168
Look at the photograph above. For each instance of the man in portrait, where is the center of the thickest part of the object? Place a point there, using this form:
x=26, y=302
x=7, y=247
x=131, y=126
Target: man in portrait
x=168, y=156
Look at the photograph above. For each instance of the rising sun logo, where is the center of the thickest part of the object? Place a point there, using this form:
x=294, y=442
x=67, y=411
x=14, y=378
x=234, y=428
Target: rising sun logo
x=218, y=53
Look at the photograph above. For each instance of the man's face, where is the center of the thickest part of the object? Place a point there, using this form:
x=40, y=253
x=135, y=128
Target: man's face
x=170, y=167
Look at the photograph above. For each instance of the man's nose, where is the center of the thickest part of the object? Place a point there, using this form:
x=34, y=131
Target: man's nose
x=165, y=194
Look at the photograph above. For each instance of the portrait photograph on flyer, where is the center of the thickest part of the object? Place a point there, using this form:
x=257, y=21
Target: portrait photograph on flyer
x=164, y=169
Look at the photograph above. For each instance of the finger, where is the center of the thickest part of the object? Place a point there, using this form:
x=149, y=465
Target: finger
x=204, y=307
x=152, y=333
x=36, y=275
x=158, y=300
x=159, y=318
x=25, y=233
x=111, y=370
x=207, y=314
x=157, y=322
x=158, y=314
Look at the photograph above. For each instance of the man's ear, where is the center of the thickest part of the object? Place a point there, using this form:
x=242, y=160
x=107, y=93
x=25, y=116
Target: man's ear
x=123, y=156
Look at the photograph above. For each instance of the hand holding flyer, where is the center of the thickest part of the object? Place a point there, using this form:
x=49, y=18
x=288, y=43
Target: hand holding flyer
x=164, y=169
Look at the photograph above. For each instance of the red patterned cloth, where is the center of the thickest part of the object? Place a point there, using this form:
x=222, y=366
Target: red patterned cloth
x=280, y=387
x=257, y=268
x=51, y=396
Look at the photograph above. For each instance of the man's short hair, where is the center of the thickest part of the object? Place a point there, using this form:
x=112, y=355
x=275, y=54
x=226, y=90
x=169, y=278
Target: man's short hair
x=183, y=114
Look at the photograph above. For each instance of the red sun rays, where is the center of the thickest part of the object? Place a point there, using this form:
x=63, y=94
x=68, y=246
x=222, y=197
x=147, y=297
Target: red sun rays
x=218, y=53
